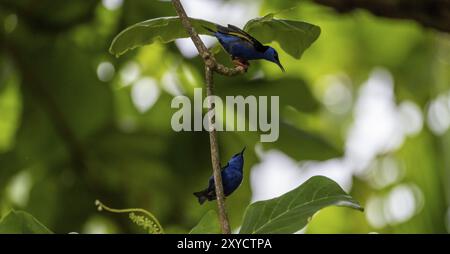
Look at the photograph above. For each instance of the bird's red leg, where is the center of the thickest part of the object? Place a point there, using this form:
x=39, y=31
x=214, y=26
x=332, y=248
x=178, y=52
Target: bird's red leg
x=241, y=62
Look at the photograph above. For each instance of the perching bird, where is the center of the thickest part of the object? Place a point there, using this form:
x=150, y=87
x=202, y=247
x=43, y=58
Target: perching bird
x=243, y=47
x=231, y=179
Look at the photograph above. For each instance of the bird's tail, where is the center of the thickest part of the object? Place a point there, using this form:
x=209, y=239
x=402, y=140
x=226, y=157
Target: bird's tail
x=202, y=196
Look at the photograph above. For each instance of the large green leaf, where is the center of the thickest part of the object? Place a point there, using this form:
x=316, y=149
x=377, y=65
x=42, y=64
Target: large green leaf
x=164, y=29
x=290, y=212
x=209, y=224
x=302, y=145
x=293, y=36
x=292, y=91
x=18, y=222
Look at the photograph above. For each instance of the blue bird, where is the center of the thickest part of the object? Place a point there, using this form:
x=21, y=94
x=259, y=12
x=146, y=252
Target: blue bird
x=231, y=179
x=243, y=47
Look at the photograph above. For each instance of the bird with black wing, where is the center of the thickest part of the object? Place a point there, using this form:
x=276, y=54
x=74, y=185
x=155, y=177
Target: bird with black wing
x=243, y=47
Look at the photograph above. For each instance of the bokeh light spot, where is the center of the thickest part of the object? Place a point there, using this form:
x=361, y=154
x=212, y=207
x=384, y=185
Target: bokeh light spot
x=10, y=23
x=401, y=204
x=171, y=84
x=105, y=71
x=112, y=4
x=19, y=188
x=374, y=212
x=144, y=94
x=411, y=117
x=438, y=118
x=130, y=73
x=338, y=96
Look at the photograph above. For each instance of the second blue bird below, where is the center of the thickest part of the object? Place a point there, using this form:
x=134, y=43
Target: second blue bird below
x=232, y=175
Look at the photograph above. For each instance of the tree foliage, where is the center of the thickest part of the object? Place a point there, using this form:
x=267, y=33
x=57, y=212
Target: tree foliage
x=72, y=129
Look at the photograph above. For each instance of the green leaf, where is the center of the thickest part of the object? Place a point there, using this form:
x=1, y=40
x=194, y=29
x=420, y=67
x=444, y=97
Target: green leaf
x=292, y=91
x=18, y=222
x=293, y=36
x=291, y=212
x=164, y=29
x=209, y=224
x=302, y=145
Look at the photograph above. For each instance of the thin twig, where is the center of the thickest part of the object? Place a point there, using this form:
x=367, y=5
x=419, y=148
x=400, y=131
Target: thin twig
x=211, y=66
x=221, y=69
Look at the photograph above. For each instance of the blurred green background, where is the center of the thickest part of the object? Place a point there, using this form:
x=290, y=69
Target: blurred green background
x=368, y=105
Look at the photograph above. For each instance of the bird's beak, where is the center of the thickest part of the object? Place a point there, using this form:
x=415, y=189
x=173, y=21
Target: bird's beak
x=243, y=150
x=281, y=66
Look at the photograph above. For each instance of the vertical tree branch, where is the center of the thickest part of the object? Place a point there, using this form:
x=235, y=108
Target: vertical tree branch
x=208, y=58
x=210, y=64
x=209, y=76
x=201, y=47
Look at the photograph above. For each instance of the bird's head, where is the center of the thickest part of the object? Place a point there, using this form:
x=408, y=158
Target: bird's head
x=238, y=158
x=271, y=55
